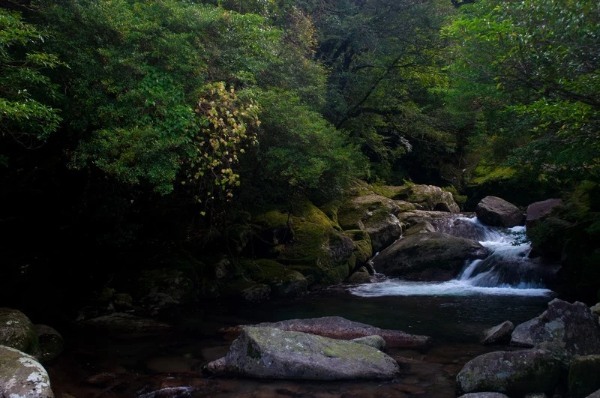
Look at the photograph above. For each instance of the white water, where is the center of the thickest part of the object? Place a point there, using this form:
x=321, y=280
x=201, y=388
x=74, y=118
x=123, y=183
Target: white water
x=506, y=271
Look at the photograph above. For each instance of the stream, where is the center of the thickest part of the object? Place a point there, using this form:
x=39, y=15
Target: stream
x=504, y=286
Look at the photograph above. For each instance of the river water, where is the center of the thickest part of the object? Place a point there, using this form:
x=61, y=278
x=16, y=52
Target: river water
x=453, y=313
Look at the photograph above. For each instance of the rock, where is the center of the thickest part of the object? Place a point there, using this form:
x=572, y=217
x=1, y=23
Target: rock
x=276, y=354
x=22, y=376
x=374, y=341
x=584, y=375
x=596, y=309
x=569, y=329
x=50, y=341
x=595, y=394
x=428, y=197
x=429, y=256
x=498, y=334
x=360, y=276
x=16, y=331
x=341, y=328
x=514, y=373
x=540, y=210
x=484, y=395
x=497, y=212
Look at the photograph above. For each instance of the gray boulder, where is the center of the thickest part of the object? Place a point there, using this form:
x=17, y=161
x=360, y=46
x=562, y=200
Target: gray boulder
x=569, y=329
x=514, y=373
x=497, y=212
x=484, y=395
x=428, y=256
x=273, y=353
x=22, y=376
x=337, y=327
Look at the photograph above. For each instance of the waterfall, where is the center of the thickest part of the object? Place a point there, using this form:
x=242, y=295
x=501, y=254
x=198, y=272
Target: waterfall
x=508, y=270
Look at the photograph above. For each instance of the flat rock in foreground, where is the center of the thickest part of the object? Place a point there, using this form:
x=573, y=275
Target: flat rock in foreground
x=337, y=327
x=264, y=352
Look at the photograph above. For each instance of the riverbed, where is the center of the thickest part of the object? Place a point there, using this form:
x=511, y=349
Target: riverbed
x=99, y=365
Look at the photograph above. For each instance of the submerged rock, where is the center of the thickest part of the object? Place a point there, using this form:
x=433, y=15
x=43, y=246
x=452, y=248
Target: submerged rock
x=22, y=376
x=341, y=328
x=514, y=373
x=264, y=352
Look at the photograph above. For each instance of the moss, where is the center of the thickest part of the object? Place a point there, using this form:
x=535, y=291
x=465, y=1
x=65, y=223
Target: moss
x=388, y=191
x=363, y=250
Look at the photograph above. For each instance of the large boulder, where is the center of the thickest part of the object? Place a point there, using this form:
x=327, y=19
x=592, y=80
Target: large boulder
x=539, y=210
x=17, y=331
x=276, y=354
x=340, y=328
x=497, y=212
x=514, y=373
x=568, y=329
x=22, y=376
x=428, y=256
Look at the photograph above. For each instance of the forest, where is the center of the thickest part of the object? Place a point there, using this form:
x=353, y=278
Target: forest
x=142, y=133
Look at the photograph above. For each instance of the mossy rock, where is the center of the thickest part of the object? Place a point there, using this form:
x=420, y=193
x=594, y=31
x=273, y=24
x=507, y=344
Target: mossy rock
x=284, y=282
x=315, y=242
x=17, y=331
x=363, y=249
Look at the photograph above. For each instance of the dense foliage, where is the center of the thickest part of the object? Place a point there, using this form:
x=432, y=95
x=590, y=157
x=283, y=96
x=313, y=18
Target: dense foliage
x=135, y=124
x=526, y=75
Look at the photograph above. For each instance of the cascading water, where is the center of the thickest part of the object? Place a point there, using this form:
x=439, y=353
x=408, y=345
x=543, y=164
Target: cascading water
x=506, y=271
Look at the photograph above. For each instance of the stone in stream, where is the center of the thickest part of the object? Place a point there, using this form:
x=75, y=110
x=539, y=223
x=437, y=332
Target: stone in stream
x=341, y=328
x=17, y=331
x=264, y=352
